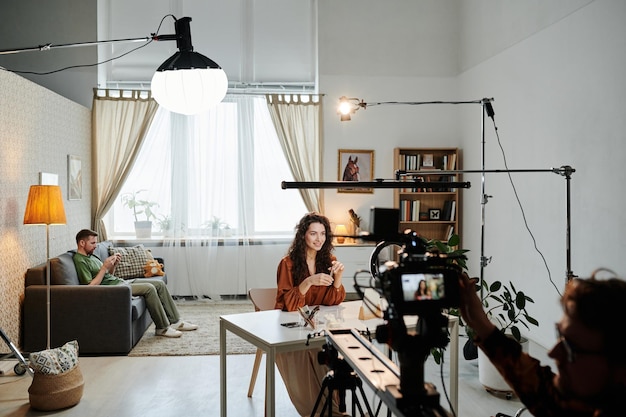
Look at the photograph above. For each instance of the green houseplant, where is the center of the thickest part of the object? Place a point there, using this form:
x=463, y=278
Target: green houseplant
x=143, y=228
x=506, y=308
x=503, y=303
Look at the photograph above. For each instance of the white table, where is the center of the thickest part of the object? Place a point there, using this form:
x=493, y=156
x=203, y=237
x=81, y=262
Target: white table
x=263, y=330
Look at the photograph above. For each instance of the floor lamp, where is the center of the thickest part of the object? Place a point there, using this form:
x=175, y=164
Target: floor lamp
x=45, y=206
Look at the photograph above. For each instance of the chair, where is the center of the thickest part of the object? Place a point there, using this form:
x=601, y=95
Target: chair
x=263, y=299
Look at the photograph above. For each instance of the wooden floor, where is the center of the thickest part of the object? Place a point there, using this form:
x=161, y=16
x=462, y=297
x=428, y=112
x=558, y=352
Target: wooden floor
x=189, y=386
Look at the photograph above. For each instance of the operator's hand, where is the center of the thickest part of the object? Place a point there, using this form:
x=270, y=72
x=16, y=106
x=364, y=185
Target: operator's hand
x=471, y=307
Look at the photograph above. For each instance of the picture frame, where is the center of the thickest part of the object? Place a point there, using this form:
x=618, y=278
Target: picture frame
x=434, y=214
x=428, y=160
x=74, y=178
x=355, y=165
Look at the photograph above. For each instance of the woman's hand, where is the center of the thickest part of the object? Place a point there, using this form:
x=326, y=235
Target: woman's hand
x=336, y=269
x=321, y=279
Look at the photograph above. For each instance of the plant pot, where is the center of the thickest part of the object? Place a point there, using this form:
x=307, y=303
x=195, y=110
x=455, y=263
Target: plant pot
x=143, y=229
x=489, y=376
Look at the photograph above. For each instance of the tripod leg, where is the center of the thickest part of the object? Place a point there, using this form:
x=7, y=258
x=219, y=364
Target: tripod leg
x=326, y=386
x=367, y=404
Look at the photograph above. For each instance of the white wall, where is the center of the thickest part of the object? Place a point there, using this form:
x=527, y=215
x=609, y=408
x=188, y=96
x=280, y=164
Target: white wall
x=559, y=101
x=555, y=71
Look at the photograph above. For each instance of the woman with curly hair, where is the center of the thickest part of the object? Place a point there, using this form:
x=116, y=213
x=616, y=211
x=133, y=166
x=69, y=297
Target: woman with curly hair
x=308, y=275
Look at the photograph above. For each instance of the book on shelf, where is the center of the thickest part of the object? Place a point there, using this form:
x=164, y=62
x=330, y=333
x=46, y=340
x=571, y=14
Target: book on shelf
x=409, y=210
x=449, y=232
x=451, y=162
x=452, y=210
x=448, y=212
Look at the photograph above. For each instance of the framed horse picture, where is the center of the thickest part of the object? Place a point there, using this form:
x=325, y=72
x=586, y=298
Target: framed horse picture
x=356, y=165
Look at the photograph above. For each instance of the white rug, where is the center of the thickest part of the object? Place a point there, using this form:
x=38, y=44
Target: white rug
x=205, y=340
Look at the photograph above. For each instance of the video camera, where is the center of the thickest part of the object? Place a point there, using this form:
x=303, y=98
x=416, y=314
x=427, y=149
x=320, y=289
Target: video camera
x=398, y=281
x=415, y=263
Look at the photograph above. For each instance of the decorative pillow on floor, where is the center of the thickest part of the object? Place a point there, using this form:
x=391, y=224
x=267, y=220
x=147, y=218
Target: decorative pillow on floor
x=55, y=361
x=58, y=381
x=133, y=260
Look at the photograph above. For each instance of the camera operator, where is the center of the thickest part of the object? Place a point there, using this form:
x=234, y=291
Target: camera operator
x=591, y=379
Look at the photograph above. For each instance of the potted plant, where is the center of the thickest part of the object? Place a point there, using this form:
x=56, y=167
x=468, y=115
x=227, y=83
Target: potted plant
x=506, y=307
x=216, y=225
x=165, y=224
x=504, y=304
x=143, y=228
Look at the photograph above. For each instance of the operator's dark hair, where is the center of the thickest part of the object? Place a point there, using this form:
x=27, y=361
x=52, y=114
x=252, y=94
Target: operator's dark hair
x=599, y=304
x=84, y=234
x=297, y=250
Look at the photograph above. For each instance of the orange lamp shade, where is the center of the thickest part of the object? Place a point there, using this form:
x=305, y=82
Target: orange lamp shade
x=44, y=205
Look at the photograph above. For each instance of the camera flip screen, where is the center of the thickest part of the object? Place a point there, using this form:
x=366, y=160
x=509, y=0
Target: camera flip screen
x=424, y=289
x=423, y=286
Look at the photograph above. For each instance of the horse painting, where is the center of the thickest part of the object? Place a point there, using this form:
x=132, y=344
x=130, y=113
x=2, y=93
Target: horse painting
x=351, y=172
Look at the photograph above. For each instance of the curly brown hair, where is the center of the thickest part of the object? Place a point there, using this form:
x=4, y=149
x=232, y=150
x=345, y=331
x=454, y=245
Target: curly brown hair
x=297, y=250
x=598, y=303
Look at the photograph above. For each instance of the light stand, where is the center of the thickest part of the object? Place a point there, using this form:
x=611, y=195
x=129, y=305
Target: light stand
x=45, y=206
x=186, y=83
x=350, y=105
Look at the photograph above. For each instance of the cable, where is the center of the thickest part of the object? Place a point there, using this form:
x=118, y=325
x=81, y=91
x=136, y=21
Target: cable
x=519, y=203
x=80, y=65
x=97, y=63
x=443, y=384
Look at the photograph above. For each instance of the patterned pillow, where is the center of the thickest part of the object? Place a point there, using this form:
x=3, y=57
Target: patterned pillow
x=55, y=361
x=133, y=260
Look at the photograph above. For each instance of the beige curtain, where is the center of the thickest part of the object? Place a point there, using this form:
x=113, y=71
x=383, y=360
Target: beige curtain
x=297, y=121
x=120, y=121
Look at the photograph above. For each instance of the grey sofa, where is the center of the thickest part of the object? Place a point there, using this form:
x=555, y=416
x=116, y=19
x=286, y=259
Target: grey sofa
x=104, y=319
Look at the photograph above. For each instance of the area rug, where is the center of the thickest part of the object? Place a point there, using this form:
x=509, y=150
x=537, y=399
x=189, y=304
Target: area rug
x=205, y=340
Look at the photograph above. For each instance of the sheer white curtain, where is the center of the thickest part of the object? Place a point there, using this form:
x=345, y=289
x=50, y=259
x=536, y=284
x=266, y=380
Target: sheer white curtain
x=120, y=123
x=297, y=121
x=216, y=178
x=209, y=228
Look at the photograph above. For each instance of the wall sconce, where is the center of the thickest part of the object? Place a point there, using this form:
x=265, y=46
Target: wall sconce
x=348, y=106
x=187, y=82
x=340, y=233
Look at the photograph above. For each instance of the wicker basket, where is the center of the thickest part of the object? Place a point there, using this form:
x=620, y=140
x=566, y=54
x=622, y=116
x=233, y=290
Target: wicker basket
x=54, y=392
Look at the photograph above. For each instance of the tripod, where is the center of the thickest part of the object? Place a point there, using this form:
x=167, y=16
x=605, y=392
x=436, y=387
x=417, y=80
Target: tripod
x=341, y=380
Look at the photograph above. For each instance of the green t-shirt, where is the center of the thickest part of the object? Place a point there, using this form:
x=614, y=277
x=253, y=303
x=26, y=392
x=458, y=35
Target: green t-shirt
x=87, y=267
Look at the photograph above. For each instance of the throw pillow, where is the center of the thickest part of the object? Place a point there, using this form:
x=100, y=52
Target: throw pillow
x=55, y=361
x=153, y=269
x=132, y=262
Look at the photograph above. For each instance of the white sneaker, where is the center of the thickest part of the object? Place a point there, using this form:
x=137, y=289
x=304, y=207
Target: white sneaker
x=183, y=326
x=168, y=332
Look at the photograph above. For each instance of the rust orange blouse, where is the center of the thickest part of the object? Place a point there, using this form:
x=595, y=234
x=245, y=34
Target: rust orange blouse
x=289, y=298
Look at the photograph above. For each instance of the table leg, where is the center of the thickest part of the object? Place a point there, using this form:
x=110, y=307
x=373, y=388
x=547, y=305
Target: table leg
x=454, y=366
x=223, y=390
x=270, y=381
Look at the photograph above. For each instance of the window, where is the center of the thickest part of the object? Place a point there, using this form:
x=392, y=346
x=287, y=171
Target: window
x=219, y=170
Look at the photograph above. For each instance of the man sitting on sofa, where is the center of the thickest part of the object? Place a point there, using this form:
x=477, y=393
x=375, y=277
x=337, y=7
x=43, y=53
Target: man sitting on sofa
x=93, y=271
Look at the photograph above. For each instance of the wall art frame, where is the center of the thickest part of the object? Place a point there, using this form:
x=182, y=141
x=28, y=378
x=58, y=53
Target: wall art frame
x=355, y=165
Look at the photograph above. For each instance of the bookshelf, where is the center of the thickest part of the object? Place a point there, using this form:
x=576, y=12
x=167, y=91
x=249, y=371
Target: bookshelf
x=434, y=214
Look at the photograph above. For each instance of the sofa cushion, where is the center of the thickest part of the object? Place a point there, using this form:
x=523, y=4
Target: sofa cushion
x=62, y=270
x=133, y=260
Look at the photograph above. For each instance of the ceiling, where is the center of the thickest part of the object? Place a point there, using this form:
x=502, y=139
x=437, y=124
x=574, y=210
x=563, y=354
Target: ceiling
x=255, y=42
